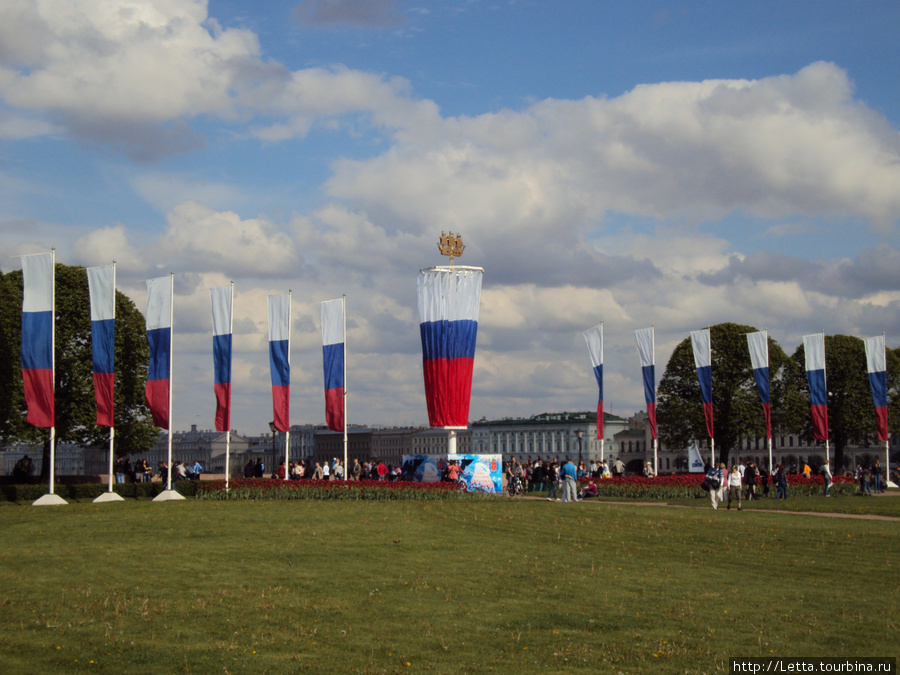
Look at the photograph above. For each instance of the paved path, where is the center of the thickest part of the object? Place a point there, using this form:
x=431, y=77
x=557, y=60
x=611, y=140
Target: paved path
x=856, y=516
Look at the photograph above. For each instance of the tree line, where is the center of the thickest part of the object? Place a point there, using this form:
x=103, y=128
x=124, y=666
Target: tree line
x=736, y=405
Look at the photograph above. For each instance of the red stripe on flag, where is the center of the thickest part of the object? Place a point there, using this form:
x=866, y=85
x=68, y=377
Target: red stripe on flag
x=281, y=405
x=820, y=422
x=448, y=388
x=334, y=408
x=599, y=420
x=157, y=395
x=39, y=396
x=223, y=405
x=104, y=393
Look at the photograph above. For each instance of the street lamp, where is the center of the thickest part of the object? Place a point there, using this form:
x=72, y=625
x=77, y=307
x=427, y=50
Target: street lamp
x=272, y=427
x=578, y=434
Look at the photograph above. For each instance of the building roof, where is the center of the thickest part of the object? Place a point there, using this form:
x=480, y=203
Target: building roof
x=549, y=418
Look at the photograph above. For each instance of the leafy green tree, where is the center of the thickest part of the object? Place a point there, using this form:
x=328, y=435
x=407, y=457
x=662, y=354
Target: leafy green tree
x=737, y=411
x=74, y=391
x=851, y=411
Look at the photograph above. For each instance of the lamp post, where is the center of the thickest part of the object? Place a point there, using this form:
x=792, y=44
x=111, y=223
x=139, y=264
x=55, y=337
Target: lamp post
x=272, y=427
x=579, y=433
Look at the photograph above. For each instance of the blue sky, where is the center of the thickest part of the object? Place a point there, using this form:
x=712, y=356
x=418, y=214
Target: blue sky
x=676, y=164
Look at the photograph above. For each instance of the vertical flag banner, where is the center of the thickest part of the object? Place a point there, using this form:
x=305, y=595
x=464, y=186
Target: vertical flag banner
x=594, y=338
x=280, y=359
x=646, y=350
x=333, y=362
x=102, y=289
x=221, y=299
x=700, y=343
x=37, y=339
x=159, y=337
x=876, y=363
x=814, y=348
x=449, y=299
x=758, y=343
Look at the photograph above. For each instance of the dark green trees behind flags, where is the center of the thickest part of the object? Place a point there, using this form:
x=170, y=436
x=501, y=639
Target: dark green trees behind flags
x=737, y=412
x=75, y=406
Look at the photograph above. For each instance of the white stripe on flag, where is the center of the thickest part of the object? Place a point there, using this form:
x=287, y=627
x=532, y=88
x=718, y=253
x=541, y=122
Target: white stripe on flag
x=594, y=338
x=644, y=338
x=102, y=292
x=700, y=345
x=814, y=348
x=875, y=358
x=159, y=302
x=221, y=299
x=449, y=293
x=279, y=321
x=759, y=350
x=332, y=322
x=37, y=273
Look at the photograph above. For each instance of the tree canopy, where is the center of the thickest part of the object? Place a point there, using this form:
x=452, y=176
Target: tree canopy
x=737, y=411
x=74, y=391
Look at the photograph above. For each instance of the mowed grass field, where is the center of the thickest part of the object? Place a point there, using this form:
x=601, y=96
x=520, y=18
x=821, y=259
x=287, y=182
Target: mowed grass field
x=405, y=587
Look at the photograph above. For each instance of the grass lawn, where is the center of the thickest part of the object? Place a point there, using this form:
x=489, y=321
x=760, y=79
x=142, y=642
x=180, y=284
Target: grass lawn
x=488, y=586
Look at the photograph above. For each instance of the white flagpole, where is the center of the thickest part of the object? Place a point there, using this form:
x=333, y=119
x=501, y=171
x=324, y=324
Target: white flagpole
x=769, y=439
x=603, y=435
x=228, y=430
x=655, y=443
x=53, y=366
x=887, y=444
x=825, y=381
x=344, y=316
x=171, y=369
x=112, y=428
x=287, y=434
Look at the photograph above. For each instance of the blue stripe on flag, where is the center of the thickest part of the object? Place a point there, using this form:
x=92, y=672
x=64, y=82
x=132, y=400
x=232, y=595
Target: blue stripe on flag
x=878, y=382
x=448, y=339
x=817, y=393
x=159, y=340
x=278, y=363
x=222, y=358
x=37, y=340
x=598, y=373
x=704, y=374
x=103, y=345
x=333, y=360
x=649, y=373
x=761, y=375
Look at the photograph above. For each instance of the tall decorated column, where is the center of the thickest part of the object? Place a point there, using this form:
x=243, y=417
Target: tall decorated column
x=449, y=298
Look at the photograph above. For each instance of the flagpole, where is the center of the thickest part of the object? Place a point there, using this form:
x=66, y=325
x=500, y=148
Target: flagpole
x=344, y=316
x=228, y=430
x=655, y=442
x=825, y=381
x=53, y=365
x=887, y=442
x=287, y=433
x=603, y=421
x=112, y=428
x=769, y=425
x=171, y=369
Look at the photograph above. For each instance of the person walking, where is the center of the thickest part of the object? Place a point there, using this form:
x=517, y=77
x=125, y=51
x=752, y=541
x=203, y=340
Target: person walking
x=734, y=487
x=717, y=478
x=570, y=481
x=750, y=475
x=552, y=482
x=780, y=480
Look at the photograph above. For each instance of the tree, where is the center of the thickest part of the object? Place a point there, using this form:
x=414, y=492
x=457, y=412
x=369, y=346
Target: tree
x=737, y=411
x=74, y=391
x=851, y=411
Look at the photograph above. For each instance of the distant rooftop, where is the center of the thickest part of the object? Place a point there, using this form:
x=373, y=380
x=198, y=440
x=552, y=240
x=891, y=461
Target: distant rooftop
x=551, y=418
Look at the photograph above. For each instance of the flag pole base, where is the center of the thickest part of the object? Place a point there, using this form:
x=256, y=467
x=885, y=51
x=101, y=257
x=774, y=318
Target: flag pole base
x=891, y=484
x=50, y=500
x=169, y=496
x=109, y=497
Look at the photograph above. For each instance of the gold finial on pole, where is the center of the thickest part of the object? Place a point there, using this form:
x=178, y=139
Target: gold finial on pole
x=451, y=245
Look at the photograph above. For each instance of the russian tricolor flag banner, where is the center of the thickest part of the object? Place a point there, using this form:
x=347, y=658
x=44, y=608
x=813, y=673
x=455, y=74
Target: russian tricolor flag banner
x=159, y=337
x=280, y=359
x=333, y=362
x=102, y=290
x=876, y=362
x=449, y=299
x=647, y=351
x=814, y=348
x=37, y=338
x=594, y=338
x=700, y=343
x=221, y=299
x=758, y=343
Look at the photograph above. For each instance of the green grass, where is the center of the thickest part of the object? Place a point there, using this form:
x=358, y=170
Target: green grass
x=488, y=586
